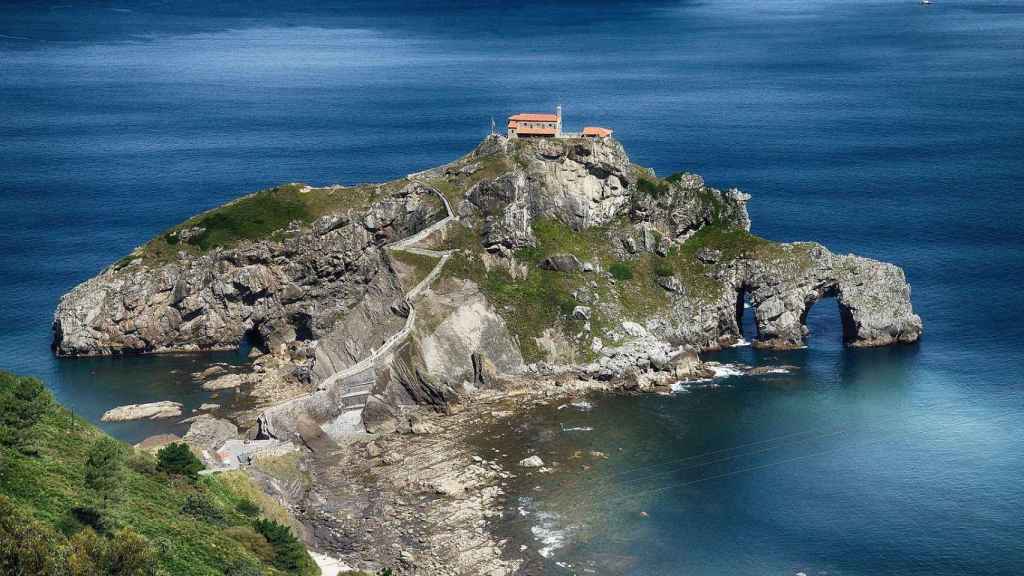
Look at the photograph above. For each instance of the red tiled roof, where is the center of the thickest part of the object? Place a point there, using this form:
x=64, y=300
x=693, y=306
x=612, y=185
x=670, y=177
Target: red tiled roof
x=597, y=131
x=535, y=131
x=529, y=117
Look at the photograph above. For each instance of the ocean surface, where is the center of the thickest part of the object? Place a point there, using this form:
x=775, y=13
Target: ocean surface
x=886, y=128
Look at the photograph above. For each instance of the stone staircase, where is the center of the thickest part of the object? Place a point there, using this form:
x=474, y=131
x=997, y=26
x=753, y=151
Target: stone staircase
x=348, y=389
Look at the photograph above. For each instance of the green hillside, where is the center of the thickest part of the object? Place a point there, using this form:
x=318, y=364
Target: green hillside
x=75, y=502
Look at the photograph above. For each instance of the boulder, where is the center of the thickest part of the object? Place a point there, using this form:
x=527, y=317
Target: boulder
x=562, y=263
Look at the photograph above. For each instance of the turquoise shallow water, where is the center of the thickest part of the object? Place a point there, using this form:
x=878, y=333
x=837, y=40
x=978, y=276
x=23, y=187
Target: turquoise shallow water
x=882, y=127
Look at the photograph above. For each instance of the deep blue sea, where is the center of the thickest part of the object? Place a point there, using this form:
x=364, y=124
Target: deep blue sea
x=886, y=128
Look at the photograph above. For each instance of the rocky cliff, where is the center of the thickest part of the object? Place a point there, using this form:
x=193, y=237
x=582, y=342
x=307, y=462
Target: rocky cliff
x=560, y=254
x=319, y=277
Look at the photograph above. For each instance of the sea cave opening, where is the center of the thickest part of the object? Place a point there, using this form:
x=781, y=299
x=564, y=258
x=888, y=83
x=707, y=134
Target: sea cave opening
x=746, y=319
x=823, y=331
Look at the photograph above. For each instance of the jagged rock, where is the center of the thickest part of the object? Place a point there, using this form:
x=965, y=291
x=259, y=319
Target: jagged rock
x=580, y=184
x=562, y=263
x=708, y=255
x=633, y=329
x=670, y=283
x=581, y=312
x=686, y=364
x=150, y=411
x=379, y=416
x=658, y=360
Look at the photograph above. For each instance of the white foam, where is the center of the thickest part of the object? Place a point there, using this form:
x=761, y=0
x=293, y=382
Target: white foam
x=725, y=370
x=575, y=428
x=720, y=370
x=740, y=343
x=548, y=534
x=581, y=405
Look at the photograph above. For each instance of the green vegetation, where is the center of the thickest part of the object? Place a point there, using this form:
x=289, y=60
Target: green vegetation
x=104, y=468
x=23, y=402
x=177, y=458
x=289, y=554
x=455, y=185
x=60, y=516
x=412, y=267
x=652, y=186
x=263, y=214
x=621, y=271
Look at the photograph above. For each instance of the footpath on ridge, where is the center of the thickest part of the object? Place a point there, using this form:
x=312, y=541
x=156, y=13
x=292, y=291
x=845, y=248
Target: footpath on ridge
x=351, y=386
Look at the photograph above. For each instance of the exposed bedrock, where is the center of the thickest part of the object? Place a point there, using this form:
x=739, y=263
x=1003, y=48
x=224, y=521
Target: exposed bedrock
x=316, y=282
x=579, y=183
x=873, y=299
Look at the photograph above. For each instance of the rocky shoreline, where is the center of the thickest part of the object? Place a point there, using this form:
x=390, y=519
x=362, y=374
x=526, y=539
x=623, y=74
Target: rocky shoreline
x=426, y=500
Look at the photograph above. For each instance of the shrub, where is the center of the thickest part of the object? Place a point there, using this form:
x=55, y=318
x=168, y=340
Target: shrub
x=177, y=458
x=125, y=554
x=655, y=188
x=142, y=462
x=26, y=546
x=202, y=507
x=90, y=517
x=104, y=467
x=23, y=401
x=252, y=540
x=129, y=554
x=663, y=268
x=246, y=507
x=621, y=271
x=289, y=554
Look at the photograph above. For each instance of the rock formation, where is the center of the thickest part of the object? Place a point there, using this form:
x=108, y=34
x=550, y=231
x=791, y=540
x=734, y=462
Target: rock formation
x=564, y=256
x=150, y=411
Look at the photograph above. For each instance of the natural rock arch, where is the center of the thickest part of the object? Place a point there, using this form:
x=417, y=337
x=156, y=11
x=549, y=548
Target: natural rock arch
x=873, y=299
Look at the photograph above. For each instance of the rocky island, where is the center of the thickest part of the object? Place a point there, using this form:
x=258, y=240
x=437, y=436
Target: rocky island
x=525, y=264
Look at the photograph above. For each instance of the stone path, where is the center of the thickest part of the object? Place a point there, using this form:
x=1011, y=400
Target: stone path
x=357, y=380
